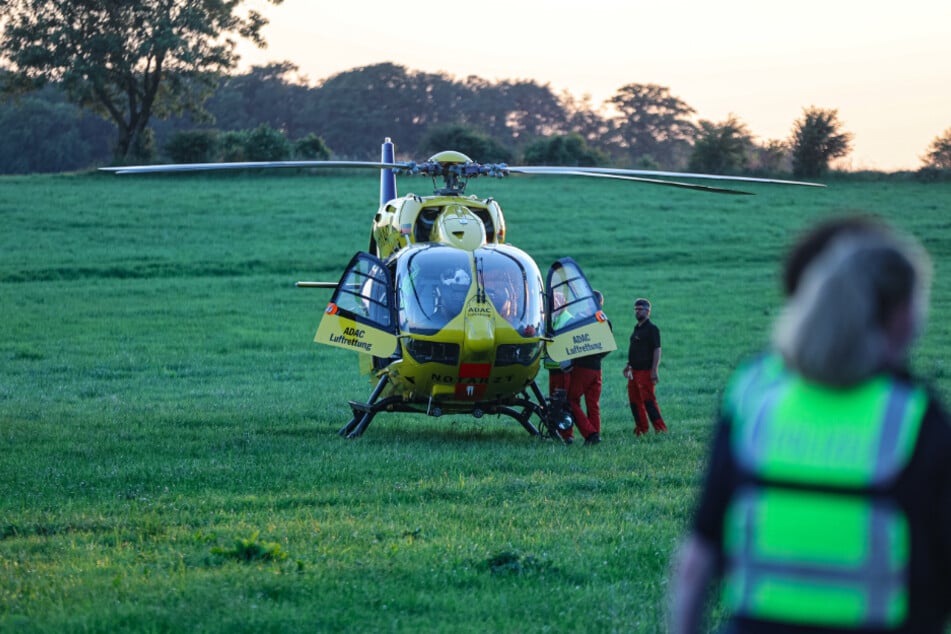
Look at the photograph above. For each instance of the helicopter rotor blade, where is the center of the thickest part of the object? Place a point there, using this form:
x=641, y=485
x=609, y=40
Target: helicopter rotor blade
x=655, y=181
x=204, y=167
x=654, y=176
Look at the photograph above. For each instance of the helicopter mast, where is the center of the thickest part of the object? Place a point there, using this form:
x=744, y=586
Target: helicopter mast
x=387, y=176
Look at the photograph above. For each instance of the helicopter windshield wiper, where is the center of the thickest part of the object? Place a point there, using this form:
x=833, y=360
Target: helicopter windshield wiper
x=480, y=280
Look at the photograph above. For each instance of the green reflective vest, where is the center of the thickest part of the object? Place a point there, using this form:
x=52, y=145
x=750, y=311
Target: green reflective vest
x=560, y=320
x=811, y=538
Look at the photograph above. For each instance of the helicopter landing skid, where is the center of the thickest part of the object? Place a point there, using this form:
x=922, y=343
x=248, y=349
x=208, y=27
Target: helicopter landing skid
x=521, y=409
x=363, y=413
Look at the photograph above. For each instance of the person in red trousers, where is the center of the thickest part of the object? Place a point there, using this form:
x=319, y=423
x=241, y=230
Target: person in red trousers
x=586, y=382
x=559, y=374
x=643, y=361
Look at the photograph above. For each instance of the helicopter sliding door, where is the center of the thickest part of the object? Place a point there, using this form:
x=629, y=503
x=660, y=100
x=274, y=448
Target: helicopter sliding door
x=575, y=322
x=361, y=316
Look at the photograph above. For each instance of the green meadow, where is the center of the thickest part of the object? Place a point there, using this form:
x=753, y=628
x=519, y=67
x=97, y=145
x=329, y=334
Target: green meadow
x=169, y=459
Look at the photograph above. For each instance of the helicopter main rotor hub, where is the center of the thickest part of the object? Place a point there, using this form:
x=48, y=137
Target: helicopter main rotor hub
x=455, y=169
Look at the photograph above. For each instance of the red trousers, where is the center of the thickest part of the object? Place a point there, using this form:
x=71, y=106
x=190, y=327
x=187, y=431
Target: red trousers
x=586, y=383
x=640, y=392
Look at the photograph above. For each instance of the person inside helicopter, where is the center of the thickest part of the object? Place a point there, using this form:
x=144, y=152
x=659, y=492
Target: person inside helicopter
x=514, y=291
x=501, y=291
x=452, y=292
x=433, y=283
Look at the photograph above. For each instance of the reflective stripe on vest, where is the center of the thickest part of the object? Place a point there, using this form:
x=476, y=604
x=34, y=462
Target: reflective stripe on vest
x=810, y=544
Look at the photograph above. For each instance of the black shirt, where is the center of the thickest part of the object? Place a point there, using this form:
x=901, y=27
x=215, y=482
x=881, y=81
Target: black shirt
x=644, y=340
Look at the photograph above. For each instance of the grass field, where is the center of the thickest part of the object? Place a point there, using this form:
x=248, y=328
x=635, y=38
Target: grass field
x=168, y=450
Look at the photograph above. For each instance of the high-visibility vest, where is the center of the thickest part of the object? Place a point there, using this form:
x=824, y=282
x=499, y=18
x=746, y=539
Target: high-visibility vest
x=563, y=318
x=811, y=537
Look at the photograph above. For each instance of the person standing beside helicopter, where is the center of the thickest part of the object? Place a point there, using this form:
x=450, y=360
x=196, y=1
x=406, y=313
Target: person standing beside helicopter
x=586, y=382
x=643, y=361
x=558, y=373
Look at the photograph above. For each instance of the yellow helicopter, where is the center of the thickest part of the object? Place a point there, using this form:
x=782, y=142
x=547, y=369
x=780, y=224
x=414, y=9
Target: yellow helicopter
x=446, y=317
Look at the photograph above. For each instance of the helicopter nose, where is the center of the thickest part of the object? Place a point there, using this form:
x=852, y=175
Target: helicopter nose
x=480, y=333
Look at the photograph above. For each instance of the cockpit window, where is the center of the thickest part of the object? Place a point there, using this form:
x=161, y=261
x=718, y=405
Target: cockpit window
x=512, y=284
x=435, y=281
x=433, y=284
x=573, y=300
x=363, y=292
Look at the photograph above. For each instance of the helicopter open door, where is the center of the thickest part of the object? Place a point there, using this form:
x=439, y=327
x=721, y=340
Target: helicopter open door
x=576, y=325
x=361, y=315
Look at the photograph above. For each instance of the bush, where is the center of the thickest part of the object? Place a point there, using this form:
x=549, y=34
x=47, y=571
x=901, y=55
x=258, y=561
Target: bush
x=192, y=146
x=477, y=146
x=232, y=146
x=569, y=150
x=311, y=148
x=932, y=174
x=264, y=143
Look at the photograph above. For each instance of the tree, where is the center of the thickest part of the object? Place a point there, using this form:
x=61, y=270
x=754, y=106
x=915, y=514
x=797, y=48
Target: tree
x=817, y=139
x=585, y=119
x=358, y=108
x=515, y=112
x=652, y=123
x=274, y=94
x=721, y=148
x=939, y=152
x=42, y=132
x=126, y=61
x=570, y=149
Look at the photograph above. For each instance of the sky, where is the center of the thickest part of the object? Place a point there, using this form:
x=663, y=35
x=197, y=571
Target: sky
x=885, y=67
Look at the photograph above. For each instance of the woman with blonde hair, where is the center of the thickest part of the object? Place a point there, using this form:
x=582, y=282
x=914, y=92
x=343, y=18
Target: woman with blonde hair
x=827, y=502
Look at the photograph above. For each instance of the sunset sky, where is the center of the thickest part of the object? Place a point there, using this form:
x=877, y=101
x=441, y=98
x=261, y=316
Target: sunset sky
x=886, y=67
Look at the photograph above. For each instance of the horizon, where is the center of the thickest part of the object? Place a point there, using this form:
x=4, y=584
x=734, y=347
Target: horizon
x=883, y=69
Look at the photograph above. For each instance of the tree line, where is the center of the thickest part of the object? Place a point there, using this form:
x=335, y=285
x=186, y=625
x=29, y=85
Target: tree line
x=100, y=82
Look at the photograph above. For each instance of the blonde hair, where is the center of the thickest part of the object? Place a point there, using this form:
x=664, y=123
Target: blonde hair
x=834, y=329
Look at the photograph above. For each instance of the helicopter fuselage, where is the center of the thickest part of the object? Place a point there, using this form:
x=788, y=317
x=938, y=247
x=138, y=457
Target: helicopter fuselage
x=448, y=318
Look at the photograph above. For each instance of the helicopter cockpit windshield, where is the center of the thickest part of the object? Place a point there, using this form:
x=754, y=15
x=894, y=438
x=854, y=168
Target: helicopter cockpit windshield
x=435, y=281
x=513, y=285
